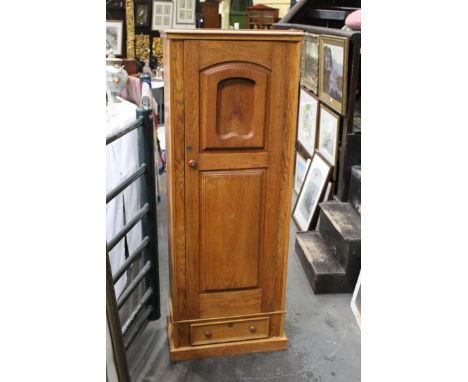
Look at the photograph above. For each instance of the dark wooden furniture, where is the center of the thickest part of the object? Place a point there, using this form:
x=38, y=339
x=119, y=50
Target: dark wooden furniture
x=230, y=131
x=350, y=135
x=331, y=255
x=130, y=66
x=261, y=16
x=211, y=16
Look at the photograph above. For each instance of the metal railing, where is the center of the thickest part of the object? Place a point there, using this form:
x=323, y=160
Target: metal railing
x=148, y=307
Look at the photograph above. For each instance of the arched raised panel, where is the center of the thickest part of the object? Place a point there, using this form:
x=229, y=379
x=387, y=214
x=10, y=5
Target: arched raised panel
x=234, y=102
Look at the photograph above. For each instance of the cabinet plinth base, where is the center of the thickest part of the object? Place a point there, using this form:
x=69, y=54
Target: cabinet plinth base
x=223, y=349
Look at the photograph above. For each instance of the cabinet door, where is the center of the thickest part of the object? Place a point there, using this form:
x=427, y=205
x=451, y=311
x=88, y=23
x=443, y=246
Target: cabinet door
x=233, y=135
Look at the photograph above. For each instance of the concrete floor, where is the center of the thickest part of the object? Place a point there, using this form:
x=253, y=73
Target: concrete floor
x=324, y=338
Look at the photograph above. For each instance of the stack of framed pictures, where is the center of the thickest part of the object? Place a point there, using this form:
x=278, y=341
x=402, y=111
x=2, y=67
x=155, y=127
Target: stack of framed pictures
x=312, y=192
x=322, y=103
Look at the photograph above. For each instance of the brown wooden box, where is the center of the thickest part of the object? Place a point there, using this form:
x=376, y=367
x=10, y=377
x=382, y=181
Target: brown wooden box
x=261, y=16
x=231, y=110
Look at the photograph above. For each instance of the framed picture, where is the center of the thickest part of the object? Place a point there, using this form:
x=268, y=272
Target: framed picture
x=301, y=169
x=162, y=15
x=307, y=121
x=329, y=124
x=305, y=210
x=333, y=72
x=185, y=12
x=310, y=62
x=142, y=14
x=114, y=36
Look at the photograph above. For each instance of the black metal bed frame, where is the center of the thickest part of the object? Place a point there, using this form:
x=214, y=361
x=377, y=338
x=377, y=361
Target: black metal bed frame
x=148, y=306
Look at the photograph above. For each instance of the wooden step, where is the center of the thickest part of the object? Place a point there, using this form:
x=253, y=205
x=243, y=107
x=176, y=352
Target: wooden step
x=355, y=188
x=340, y=225
x=324, y=272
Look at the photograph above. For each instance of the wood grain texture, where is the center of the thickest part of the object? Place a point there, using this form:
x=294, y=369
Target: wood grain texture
x=215, y=161
x=224, y=349
x=175, y=135
x=225, y=34
x=195, y=106
x=192, y=179
x=275, y=169
x=228, y=331
x=233, y=114
x=181, y=329
x=236, y=150
x=220, y=318
x=215, y=52
x=291, y=92
x=228, y=303
x=232, y=209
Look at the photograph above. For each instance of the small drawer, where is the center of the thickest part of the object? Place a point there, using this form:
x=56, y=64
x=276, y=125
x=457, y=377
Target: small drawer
x=227, y=331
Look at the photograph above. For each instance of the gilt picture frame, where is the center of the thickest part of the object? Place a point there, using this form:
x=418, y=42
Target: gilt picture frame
x=305, y=211
x=114, y=36
x=333, y=69
x=310, y=62
x=162, y=15
x=307, y=121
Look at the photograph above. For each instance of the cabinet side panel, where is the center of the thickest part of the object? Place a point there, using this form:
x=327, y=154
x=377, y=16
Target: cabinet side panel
x=287, y=153
x=276, y=107
x=174, y=125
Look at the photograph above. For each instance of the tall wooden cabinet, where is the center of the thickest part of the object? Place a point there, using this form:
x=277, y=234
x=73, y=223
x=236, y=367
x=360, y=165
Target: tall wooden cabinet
x=231, y=109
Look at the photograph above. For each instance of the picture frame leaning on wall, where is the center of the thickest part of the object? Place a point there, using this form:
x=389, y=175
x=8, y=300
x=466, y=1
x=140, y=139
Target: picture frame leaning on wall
x=310, y=62
x=305, y=211
x=333, y=69
x=307, y=121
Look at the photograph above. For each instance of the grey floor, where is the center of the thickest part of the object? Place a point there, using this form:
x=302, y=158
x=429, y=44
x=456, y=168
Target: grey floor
x=324, y=338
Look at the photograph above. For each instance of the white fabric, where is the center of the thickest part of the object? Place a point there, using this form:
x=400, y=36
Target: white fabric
x=156, y=85
x=121, y=159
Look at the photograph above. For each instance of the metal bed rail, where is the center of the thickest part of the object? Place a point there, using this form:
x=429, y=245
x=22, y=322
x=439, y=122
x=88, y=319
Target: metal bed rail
x=148, y=306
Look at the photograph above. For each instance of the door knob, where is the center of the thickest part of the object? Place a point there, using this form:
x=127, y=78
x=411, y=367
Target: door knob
x=192, y=163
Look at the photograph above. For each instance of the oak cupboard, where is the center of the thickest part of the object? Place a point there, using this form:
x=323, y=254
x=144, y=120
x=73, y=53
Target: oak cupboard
x=231, y=109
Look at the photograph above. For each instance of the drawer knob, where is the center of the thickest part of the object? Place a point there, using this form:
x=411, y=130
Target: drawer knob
x=208, y=334
x=253, y=329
